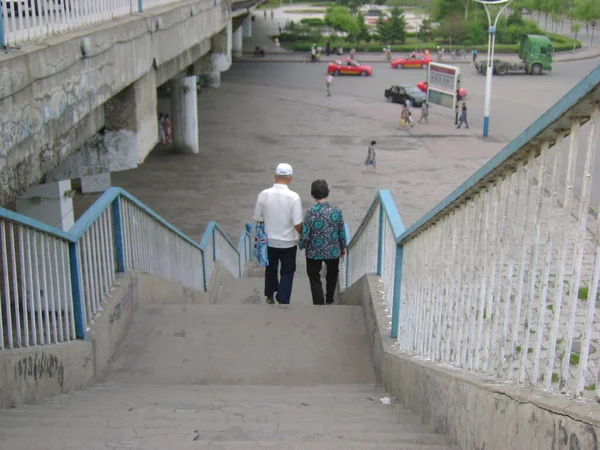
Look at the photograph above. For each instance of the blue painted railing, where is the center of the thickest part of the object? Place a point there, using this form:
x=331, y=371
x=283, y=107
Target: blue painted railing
x=55, y=282
x=502, y=277
x=382, y=225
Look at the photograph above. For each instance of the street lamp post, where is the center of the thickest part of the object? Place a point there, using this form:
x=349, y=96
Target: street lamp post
x=490, y=57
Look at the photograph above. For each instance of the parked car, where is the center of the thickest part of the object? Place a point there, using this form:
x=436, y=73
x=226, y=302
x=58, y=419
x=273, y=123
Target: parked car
x=462, y=92
x=414, y=60
x=347, y=66
x=399, y=94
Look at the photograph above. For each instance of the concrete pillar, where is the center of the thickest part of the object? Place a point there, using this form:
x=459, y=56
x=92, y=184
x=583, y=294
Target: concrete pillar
x=212, y=79
x=237, y=42
x=247, y=27
x=51, y=203
x=184, y=106
x=130, y=133
x=95, y=183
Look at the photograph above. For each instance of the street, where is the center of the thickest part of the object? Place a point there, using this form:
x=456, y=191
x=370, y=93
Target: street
x=517, y=100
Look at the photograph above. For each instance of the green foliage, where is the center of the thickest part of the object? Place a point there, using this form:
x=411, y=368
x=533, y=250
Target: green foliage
x=590, y=387
x=315, y=22
x=352, y=5
x=555, y=378
x=364, y=34
x=397, y=24
x=383, y=30
x=452, y=28
x=425, y=30
x=574, y=359
x=394, y=29
x=340, y=18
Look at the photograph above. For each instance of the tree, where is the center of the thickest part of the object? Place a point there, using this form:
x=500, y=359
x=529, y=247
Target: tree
x=352, y=5
x=341, y=19
x=575, y=27
x=364, y=34
x=425, y=30
x=588, y=11
x=397, y=25
x=453, y=26
x=383, y=30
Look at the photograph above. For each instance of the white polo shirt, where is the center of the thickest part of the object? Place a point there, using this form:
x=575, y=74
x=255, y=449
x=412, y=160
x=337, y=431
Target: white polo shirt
x=280, y=209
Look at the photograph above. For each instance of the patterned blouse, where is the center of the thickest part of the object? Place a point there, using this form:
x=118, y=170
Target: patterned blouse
x=323, y=235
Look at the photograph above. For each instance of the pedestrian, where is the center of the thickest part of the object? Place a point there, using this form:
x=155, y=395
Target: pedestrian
x=279, y=27
x=313, y=53
x=352, y=53
x=370, y=161
x=265, y=13
x=168, y=127
x=276, y=41
x=424, y=112
x=329, y=80
x=405, y=115
x=323, y=239
x=456, y=110
x=161, y=128
x=328, y=48
x=271, y=14
x=474, y=54
x=280, y=209
x=463, y=116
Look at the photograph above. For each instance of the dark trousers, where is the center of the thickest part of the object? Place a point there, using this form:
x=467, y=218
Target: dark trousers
x=313, y=268
x=280, y=282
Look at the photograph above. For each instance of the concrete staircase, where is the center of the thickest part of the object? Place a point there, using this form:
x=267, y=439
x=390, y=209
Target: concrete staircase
x=230, y=376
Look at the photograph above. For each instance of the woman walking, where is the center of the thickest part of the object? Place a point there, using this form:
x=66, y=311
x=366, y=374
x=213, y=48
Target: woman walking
x=324, y=240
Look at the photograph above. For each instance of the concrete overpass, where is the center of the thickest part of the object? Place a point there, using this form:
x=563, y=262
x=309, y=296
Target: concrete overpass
x=84, y=103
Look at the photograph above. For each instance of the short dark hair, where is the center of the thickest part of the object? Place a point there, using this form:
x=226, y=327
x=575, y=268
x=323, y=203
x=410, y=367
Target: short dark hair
x=319, y=189
x=373, y=142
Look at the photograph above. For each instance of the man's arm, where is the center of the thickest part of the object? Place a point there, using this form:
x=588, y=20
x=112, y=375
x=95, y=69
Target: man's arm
x=258, y=209
x=297, y=215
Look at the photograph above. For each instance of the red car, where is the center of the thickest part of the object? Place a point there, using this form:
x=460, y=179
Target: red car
x=462, y=92
x=416, y=60
x=348, y=66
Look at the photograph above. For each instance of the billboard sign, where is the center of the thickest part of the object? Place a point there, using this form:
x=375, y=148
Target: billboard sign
x=443, y=82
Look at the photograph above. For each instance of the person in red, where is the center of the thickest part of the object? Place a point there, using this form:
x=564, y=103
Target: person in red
x=168, y=129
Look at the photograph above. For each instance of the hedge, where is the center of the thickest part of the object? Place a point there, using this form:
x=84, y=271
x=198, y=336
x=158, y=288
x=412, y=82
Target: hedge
x=315, y=22
x=432, y=46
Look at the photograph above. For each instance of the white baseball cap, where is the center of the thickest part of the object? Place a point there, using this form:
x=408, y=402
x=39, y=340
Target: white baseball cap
x=284, y=169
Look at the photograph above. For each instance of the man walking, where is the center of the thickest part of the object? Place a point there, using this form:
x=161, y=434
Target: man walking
x=329, y=80
x=280, y=209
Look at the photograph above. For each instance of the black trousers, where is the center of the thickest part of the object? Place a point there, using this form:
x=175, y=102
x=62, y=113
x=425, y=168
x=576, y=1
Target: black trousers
x=313, y=269
x=282, y=282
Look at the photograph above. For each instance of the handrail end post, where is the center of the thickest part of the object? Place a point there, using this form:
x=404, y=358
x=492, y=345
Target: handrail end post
x=118, y=234
x=397, y=291
x=76, y=288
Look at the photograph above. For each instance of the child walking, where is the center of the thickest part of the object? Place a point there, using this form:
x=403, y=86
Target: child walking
x=370, y=161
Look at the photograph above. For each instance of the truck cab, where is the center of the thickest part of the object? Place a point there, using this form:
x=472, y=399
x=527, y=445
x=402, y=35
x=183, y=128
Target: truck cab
x=536, y=52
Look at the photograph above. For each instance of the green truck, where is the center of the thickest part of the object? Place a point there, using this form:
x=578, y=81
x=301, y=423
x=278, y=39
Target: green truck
x=535, y=52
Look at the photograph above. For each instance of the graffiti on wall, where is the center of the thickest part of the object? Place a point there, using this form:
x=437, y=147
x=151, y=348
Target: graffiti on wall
x=38, y=367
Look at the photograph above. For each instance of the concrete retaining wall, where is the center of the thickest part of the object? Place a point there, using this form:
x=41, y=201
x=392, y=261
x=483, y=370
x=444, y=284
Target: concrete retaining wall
x=473, y=412
x=52, y=96
x=30, y=374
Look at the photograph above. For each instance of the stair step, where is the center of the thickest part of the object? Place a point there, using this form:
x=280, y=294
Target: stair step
x=166, y=443
x=245, y=344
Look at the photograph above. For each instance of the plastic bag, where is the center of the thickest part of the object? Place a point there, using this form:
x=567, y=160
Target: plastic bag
x=260, y=245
